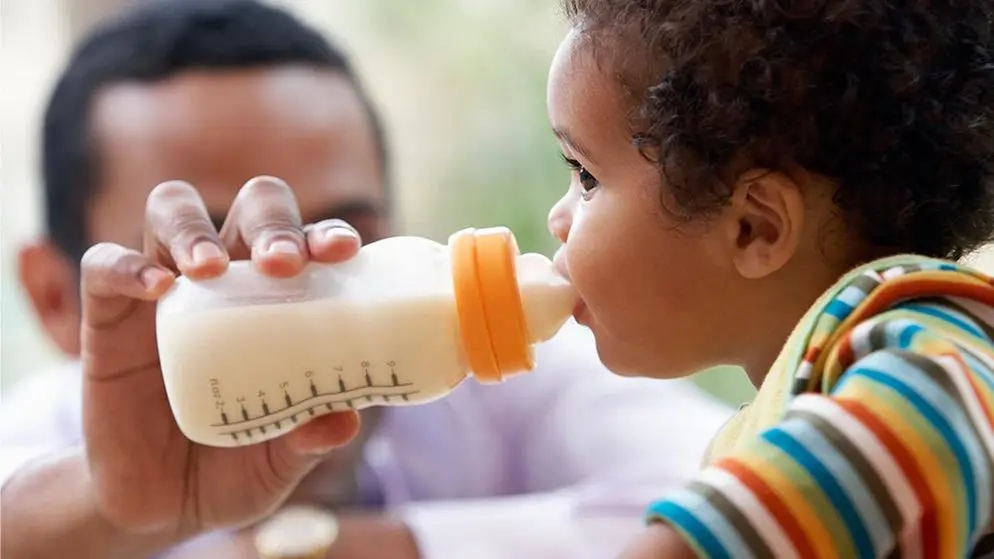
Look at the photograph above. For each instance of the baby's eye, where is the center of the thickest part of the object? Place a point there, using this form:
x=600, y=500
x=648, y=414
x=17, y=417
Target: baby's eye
x=587, y=181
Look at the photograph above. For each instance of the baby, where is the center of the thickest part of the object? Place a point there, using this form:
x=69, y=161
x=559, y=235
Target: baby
x=778, y=185
x=783, y=186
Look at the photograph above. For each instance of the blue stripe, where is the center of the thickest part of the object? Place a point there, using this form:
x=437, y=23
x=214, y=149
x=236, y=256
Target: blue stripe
x=686, y=522
x=937, y=312
x=945, y=406
x=839, y=309
x=907, y=333
x=841, y=467
x=942, y=426
x=829, y=486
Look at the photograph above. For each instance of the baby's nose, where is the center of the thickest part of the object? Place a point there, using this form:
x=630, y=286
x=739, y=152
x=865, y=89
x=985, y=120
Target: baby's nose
x=561, y=217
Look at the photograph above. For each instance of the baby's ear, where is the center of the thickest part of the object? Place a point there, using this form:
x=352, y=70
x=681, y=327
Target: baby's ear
x=765, y=221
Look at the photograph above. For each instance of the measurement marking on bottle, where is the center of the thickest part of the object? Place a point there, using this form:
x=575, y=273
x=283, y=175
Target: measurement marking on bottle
x=402, y=391
x=344, y=397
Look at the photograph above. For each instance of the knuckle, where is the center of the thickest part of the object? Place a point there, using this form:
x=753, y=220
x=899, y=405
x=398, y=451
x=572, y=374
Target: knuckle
x=265, y=185
x=98, y=256
x=273, y=230
x=171, y=190
x=110, y=259
x=267, y=207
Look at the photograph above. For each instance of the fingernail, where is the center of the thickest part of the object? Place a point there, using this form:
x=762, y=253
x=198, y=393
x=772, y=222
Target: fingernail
x=283, y=247
x=339, y=233
x=205, y=251
x=151, y=277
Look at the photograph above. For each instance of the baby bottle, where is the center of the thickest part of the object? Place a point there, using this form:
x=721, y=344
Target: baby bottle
x=247, y=357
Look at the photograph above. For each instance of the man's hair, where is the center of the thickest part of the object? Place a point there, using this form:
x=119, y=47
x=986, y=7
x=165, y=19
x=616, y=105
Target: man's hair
x=152, y=42
x=894, y=101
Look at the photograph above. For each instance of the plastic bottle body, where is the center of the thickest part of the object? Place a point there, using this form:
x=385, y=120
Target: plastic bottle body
x=246, y=358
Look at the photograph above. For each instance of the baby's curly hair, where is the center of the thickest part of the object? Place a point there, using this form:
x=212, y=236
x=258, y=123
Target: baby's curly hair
x=891, y=100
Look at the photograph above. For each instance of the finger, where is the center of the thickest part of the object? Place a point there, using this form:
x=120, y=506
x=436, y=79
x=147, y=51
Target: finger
x=113, y=277
x=292, y=456
x=332, y=241
x=322, y=434
x=265, y=219
x=178, y=231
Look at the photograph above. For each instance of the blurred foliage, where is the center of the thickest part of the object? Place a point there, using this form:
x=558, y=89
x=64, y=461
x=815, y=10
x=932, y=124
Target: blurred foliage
x=488, y=64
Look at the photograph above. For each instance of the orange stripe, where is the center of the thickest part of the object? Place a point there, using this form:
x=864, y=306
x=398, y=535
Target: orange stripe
x=929, y=528
x=978, y=390
x=907, y=286
x=778, y=509
x=800, y=508
x=844, y=353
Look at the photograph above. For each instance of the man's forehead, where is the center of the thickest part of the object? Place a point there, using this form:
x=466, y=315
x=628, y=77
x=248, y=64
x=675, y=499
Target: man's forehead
x=239, y=100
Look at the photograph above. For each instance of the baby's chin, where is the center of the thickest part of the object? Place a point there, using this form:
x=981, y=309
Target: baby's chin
x=625, y=360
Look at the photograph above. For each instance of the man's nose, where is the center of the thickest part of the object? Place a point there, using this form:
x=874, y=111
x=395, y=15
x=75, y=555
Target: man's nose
x=561, y=216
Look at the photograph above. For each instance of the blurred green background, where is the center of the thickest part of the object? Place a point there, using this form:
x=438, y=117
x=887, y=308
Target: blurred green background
x=461, y=84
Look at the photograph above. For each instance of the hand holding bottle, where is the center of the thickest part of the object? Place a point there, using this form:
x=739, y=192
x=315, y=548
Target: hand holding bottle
x=146, y=477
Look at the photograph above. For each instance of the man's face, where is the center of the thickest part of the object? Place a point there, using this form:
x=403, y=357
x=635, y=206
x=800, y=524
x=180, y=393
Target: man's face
x=216, y=130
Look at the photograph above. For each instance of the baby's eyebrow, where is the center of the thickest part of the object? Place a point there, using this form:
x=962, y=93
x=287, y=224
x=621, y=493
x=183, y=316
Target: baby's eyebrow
x=564, y=135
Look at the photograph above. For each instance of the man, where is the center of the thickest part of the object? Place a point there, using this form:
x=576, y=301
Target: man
x=560, y=462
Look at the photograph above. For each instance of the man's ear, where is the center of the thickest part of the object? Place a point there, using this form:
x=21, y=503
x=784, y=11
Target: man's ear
x=766, y=222
x=50, y=281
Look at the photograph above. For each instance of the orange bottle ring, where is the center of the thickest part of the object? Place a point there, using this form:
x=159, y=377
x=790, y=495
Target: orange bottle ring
x=491, y=317
x=473, y=327
x=496, y=254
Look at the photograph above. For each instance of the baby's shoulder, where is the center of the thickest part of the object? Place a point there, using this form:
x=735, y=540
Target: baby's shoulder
x=907, y=304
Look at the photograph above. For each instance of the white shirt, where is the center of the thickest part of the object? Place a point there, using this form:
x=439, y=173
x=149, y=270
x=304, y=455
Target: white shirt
x=559, y=462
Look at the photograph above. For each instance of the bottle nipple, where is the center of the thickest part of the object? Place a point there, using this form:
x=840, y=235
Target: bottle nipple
x=496, y=330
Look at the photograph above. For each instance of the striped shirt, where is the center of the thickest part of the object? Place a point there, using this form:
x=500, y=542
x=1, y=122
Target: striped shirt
x=877, y=439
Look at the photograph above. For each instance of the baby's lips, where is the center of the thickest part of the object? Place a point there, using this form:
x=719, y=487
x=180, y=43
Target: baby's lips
x=559, y=262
